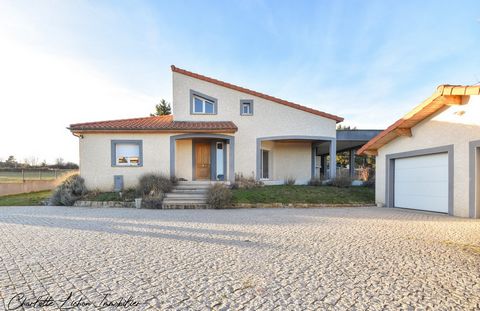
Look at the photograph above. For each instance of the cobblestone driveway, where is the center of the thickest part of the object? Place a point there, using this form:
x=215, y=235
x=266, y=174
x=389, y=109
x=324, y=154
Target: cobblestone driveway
x=292, y=259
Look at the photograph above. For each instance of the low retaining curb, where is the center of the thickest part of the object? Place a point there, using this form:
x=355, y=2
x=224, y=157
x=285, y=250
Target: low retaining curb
x=294, y=205
x=236, y=205
x=104, y=204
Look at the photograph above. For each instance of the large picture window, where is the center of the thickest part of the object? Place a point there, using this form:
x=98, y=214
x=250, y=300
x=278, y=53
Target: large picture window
x=202, y=104
x=127, y=153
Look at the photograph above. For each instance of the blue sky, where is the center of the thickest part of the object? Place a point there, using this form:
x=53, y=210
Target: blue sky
x=368, y=61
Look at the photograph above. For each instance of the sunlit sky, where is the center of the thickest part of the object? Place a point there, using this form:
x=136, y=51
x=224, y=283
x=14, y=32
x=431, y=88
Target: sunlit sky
x=64, y=62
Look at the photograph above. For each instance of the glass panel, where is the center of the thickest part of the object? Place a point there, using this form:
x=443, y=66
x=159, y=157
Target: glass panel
x=246, y=108
x=265, y=164
x=208, y=107
x=198, y=105
x=220, y=172
x=127, y=154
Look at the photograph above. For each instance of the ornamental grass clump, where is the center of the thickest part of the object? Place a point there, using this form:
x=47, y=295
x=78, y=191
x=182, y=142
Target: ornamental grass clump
x=219, y=196
x=69, y=191
x=154, y=185
x=342, y=180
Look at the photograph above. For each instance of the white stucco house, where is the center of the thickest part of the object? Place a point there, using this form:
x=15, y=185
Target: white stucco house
x=429, y=159
x=217, y=130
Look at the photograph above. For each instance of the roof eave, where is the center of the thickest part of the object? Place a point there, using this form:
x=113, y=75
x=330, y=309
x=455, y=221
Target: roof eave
x=79, y=131
x=445, y=95
x=237, y=88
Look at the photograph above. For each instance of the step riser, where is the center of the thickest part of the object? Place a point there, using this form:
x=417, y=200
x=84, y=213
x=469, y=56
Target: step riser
x=185, y=197
x=184, y=206
x=183, y=201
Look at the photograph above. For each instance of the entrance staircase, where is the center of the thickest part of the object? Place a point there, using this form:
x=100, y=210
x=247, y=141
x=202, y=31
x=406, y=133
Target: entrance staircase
x=188, y=195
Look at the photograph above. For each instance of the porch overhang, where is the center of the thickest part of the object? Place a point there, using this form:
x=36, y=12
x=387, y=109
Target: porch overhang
x=315, y=142
x=230, y=140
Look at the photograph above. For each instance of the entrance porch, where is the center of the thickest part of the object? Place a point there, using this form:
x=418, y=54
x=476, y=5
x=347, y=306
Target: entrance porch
x=197, y=157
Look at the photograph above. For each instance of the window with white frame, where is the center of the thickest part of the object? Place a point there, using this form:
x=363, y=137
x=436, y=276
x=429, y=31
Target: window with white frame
x=246, y=107
x=127, y=153
x=203, y=105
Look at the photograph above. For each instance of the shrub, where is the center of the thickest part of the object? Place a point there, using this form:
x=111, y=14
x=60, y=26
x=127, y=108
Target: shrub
x=289, y=181
x=316, y=181
x=370, y=183
x=366, y=173
x=152, y=202
x=242, y=182
x=219, y=196
x=72, y=189
x=342, y=180
x=154, y=185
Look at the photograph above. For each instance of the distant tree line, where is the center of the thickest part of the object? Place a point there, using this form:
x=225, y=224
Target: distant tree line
x=33, y=163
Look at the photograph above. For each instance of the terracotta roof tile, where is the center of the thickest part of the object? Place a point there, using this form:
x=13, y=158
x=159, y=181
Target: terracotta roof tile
x=154, y=124
x=257, y=94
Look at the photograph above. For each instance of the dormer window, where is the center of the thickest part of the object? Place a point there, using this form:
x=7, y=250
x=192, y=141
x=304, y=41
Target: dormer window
x=202, y=104
x=246, y=107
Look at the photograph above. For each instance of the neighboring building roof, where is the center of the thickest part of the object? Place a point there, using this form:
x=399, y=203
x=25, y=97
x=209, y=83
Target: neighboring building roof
x=153, y=124
x=445, y=95
x=257, y=94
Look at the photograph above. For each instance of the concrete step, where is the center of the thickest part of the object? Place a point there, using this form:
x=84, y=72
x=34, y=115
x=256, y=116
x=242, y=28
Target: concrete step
x=184, y=206
x=185, y=196
x=192, y=187
x=184, y=202
x=190, y=191
x=202, y=182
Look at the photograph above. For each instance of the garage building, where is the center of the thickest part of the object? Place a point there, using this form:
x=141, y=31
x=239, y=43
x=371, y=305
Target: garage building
x=430, y=159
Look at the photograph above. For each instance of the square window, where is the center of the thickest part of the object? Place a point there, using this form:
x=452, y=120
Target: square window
x=246, y=107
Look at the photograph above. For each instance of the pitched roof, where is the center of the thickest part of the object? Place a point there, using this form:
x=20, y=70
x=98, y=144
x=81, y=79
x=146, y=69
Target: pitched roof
x=445, y=95
x=153, y=124
x=257, y=94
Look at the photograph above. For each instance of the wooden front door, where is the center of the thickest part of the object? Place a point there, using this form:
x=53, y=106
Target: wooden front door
x=202, y=161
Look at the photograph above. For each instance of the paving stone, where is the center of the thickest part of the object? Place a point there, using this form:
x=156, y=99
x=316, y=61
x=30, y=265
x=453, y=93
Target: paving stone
x=242, y=259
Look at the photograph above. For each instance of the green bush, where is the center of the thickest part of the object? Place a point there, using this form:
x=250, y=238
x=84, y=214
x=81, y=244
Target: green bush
x=154, y=185
x=72, y=189
x=219, y=196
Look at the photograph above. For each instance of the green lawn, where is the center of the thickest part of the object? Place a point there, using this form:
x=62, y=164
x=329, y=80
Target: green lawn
x=25, y=199
x=305, y=194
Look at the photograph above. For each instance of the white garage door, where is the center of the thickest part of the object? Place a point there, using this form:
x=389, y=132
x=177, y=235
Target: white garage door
x=422, y=183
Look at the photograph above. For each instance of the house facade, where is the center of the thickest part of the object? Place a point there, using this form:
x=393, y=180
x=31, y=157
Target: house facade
x=217, y=131
x=429, y=159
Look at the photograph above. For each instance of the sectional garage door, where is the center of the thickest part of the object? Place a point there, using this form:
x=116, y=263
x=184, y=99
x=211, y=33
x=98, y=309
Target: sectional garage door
x=421, y=182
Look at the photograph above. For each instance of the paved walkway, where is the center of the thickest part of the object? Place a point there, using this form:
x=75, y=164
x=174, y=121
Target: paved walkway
x=258, y=259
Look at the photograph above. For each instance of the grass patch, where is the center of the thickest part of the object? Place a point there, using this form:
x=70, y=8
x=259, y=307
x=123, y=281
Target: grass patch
x=25, y=199
x=127, y=195
x=305, y=194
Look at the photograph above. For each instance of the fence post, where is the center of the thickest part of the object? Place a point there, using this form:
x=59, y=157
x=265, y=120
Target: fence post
x=40, y=174
x=56, y=174
x=23, y=175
